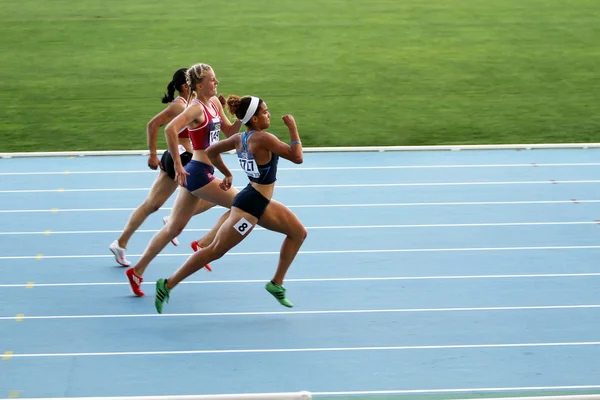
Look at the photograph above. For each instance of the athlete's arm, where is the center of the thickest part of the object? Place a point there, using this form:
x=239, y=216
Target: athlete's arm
x=213, y=152
x=194, y=112
x=160, y=119
x=293, y=151
x=191, y=113
x=227, y=127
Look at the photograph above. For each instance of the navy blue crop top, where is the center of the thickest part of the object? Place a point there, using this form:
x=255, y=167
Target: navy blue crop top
x=263, y=174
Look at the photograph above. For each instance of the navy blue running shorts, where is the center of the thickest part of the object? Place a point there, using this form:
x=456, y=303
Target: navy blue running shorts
x=251, y=201
x=200, y=174
x=168, y=165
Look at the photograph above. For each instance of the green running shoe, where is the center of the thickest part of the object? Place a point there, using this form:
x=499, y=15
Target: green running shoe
x=162, y=294
x=278, y=292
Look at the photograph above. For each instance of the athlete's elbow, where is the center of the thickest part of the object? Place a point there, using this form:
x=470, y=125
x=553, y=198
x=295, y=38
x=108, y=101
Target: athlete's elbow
x=298, y=159
x=230, y=132
x=170, y=133
x=210, y=153
x=152, y=126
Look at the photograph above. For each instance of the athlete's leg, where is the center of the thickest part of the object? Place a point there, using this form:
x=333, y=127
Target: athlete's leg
x=234, y=229
x=183, y=210
x=213, y=194
x=279, y=218
x=162, y=188
x=210, y=235
x=202, y=206
x=206, y=189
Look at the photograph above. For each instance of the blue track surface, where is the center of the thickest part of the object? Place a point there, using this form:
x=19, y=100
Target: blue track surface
x=457, y=270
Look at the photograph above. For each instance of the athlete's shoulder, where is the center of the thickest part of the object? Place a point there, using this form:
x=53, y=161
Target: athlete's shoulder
x=194, y=106
x=216, y=101
x=179, y=104
x=182, y=100
x=264, y=135
x=264, y=139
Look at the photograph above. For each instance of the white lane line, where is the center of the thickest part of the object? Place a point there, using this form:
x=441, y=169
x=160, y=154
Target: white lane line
x=345, y=227
x=337, y=168
x=352, y=251
x=308, y=349
x=357, y=205
x=326, y=186
x=299, y=280
x=314, y=312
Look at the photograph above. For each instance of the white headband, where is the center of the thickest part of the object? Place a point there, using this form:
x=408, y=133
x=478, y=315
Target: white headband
x=251, y=109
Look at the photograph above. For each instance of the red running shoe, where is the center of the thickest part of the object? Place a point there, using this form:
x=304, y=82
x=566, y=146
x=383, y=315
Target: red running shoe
x=195, y=247
x=135, y=282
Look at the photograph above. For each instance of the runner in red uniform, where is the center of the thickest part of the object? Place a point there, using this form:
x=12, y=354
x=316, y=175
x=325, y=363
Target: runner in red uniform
x=164, y=184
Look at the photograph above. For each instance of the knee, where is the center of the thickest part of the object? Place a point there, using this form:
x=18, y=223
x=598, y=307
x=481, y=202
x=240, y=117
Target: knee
x=300, y=235
x=174, y=228
x=151, y=206
x=216, y=251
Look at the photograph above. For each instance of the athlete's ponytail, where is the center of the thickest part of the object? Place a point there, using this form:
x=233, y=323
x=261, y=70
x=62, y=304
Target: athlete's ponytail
x=179, y=79
x=239, y=105
x=233, y=104
x=170, y=96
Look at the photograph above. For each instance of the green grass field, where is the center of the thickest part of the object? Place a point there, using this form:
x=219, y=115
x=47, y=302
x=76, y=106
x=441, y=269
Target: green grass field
x=88, y=75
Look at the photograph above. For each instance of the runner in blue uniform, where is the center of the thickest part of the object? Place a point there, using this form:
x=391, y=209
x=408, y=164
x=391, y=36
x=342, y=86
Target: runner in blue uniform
x=258, y=154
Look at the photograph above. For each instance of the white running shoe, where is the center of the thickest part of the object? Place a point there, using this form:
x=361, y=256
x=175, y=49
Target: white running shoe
x=174, y=240
x=120, y=253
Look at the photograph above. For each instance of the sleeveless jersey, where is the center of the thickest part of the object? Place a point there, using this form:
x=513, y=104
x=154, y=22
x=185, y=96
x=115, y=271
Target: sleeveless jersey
x=207, y=134
x=264, y=174
x=183, y=134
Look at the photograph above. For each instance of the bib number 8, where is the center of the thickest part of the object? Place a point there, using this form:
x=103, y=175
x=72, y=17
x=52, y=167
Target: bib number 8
x=242, y=226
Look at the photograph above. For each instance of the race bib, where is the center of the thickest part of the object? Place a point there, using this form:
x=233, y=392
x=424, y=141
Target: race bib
x=214, y=133
x=248, y=164
x=242, y=226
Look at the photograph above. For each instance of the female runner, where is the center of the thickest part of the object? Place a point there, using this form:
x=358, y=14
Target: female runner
x=258, y=153
x=164, y=185
x=204, y=118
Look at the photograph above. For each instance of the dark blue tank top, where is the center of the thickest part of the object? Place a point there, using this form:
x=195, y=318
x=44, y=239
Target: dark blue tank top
x=263, y=174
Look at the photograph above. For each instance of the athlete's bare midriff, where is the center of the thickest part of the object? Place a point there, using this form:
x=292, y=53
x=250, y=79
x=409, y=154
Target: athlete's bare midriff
x=200, y=155
x=187, y=143
x=265, y=190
